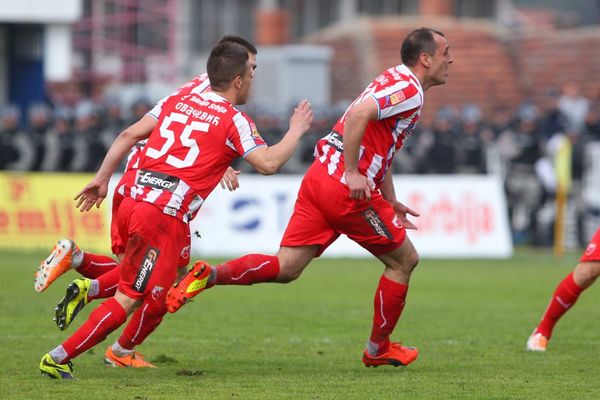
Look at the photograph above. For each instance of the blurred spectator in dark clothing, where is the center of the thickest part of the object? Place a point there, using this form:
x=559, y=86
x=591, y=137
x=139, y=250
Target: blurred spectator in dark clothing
x=139, y=108
x=501, y=120
x=17, y=151
x=440, y=156
x=61, y=143
x=574, y=106
x=592, y=122
x=39, y=118
x=8, y=151
x=87, y=129
x=521, y=148
x=552, y=120
x=112, y=121
x=470, y=143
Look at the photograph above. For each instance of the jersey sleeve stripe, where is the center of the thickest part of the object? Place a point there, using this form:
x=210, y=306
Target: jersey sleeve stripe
x=252, y=149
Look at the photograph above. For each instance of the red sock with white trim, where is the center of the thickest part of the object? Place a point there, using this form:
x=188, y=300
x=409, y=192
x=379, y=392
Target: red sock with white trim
x=107, y=284
x=107, y=317
x=566, y=294
x=389, y=301
x=247, y=270
x=94, y=265
x=142, y=323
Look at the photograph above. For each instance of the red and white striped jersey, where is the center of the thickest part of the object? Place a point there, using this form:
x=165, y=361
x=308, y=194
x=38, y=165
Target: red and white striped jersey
x=399, y=97
x=196, y=138
x=199, y=84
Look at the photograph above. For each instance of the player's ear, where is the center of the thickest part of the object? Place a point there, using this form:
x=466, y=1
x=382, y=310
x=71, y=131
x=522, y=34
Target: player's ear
x=425, y=59
x=237, y=82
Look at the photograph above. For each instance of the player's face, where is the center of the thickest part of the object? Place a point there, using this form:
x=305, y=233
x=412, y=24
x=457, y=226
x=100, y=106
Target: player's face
x=247, y=79
x=438, y=72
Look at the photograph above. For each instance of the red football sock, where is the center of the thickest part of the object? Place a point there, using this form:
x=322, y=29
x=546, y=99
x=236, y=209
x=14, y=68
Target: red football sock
x=247, y=270
x=143, y=322
x=94, y=265
x=107, y=317
x=389, y=303
x=564, y=297
x=107, y=284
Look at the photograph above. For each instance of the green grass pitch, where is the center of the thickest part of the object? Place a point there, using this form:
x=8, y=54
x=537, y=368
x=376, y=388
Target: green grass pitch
x=469, y=318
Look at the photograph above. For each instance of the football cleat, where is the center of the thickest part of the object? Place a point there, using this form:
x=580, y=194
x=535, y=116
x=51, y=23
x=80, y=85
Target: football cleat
x=52, y=369
x=58, y=262
x=396, y=355
x=133, y=360
x=537, y=342
x=74, y=300
x=190, y=285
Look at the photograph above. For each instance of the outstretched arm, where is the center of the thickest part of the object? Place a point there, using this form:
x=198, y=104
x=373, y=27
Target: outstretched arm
x=95, y=191
x=268, y=160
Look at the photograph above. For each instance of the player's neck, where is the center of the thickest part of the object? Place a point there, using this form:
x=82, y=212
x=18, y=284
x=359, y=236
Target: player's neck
x=228, y=95
x=421, y=75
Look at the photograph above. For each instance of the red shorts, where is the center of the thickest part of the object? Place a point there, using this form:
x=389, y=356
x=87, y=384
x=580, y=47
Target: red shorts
x=154, y=242
x=117, y=242
x=324, y=210
x=592, y=252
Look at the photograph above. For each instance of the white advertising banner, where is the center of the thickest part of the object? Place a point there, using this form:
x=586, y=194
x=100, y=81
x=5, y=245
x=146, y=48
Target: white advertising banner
x=461, y=216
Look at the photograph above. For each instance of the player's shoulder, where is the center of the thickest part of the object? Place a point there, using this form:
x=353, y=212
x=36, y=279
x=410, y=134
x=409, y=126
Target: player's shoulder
x=397, y=76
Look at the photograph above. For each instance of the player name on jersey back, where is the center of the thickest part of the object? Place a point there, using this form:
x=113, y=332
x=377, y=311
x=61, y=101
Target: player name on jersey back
x=200, y=115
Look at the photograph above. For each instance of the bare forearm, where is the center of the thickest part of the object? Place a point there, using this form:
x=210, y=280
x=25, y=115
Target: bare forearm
x=123, y=143
x=387, y=187
x=277, y=155
x=353, y=134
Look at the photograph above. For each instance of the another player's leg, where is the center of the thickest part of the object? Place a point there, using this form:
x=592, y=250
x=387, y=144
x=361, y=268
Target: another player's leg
x=246, y=270
x=107, y=317
x=80, y=292
x=564, y=298
x=54, y=370
x=62, y=257
x=142, y=323
x=66, y=255
x=389, y=301
x=75, y=298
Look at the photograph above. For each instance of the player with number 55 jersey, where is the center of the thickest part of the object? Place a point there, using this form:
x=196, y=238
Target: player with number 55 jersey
x=178, y=175
x=196, y=138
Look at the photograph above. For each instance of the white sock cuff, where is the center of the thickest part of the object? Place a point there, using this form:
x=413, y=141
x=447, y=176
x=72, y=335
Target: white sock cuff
x=119, y=350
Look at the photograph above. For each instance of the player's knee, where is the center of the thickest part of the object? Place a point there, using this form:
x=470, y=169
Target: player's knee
x=288, y=275
x=413, y=260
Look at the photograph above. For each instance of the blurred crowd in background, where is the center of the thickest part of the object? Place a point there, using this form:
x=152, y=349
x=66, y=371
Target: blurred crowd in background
x=515, y=143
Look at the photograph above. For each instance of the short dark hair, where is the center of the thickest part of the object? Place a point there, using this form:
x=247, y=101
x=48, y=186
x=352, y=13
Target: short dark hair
x=226, y=61
x=418, y=41
x=241, y=41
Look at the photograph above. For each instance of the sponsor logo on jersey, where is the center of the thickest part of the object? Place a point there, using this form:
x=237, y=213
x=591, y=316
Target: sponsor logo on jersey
x=254, y=133
x=336, y=140
x=376, y=223
x=397, y=97
x=145, y=270
x=157, y=180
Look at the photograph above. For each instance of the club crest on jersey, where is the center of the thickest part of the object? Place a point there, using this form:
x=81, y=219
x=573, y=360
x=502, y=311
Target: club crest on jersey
x=590, y=249
x=157, y=292
x=397, y=97
x=185, y=252
x=145, y=270
x=157, y=180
